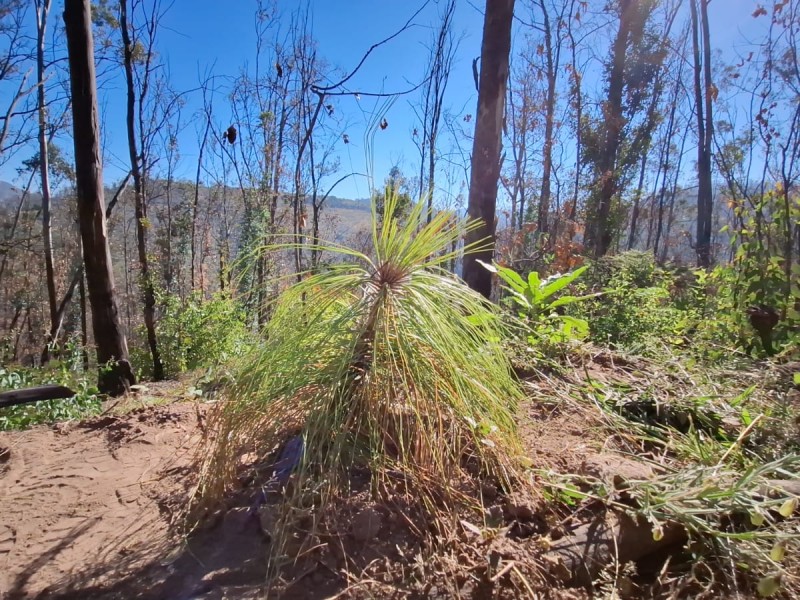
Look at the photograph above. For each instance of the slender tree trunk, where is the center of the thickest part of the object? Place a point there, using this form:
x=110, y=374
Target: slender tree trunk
x=42, y=12
x=84, y=326
x=148, y=291
x=705, y=125
x=599, y=232
x=196, y=204
x=116, y=374
x=487, y=143
x=636, y=203
x=550, y=114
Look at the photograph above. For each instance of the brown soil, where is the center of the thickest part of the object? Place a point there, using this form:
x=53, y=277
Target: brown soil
x=91, y=510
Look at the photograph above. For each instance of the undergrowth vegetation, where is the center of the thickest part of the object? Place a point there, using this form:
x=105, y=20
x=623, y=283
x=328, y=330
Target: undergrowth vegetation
x=68, y=372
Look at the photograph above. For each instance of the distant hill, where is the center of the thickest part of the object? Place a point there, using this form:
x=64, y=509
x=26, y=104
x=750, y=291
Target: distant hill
x=11, y=194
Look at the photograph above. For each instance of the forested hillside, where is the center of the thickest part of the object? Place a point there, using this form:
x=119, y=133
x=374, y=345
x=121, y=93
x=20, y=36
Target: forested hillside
x=430, y=299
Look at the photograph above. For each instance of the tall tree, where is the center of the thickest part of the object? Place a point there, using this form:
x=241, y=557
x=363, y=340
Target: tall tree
x=138, y=163
x=621, y=132
x=42, y=12
x=553, y=36
x=487, y=144
x=116, y=374
x=704, y=91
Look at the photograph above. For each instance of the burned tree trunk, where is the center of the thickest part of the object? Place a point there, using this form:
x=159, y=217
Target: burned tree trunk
x=112, y=349
x=486, y=147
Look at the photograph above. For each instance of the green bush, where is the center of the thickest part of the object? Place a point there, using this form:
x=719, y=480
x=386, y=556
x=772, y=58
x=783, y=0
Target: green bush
x=638, y=309
x=197, y=333
x=540, y=304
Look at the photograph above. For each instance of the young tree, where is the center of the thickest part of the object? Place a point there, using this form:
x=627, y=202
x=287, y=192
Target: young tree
x=442, y=54
x=704, y=91
x=487, y=143
x=138, y=160
x=42, y=13
x=116, y=374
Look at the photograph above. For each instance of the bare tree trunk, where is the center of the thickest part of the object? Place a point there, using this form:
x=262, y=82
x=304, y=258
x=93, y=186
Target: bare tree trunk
x=487, y=144
x=197, y=200
x=705, y=129
x=148, y=290
x=42, y=12
x=84, y=327
x=550, y=114
x=116, y=374
x=577, y=94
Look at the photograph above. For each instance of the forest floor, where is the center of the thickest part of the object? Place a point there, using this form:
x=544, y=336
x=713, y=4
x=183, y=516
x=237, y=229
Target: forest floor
x=93, y=509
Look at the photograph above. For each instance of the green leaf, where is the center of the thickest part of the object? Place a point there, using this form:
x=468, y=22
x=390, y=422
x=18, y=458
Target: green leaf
x=756, y=519
x=512, y=278
x=788, y=507
x=563, y=300
x=534, y=283
x=574, y=326
x=778, y=552
x=769, y=585
x=796, y=378
x=745, y=417
x=559, y=282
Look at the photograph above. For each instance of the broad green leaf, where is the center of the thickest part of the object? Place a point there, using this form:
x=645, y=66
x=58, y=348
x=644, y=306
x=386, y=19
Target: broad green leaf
x=534, y=283
x=796, y=378
x=756, y=518
x=559, y=282
x=570, y=299
x=512, y=278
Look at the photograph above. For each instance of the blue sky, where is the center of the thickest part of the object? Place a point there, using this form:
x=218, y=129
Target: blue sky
x=197, y=34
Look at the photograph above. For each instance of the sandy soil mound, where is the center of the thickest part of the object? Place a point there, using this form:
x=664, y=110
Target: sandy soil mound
x=84, y=505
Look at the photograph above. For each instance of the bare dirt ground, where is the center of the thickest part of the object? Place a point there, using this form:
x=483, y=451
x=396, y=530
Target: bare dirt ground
x=88, y=510
x=91, y=510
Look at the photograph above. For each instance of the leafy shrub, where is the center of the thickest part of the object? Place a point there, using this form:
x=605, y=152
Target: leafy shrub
x=539, y=305
x=197, y=333
x=86, y=402
x=637, y=308
x=761, y=272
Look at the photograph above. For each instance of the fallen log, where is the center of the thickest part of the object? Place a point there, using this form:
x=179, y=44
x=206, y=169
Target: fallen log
x=34, y=394
x=578, y=558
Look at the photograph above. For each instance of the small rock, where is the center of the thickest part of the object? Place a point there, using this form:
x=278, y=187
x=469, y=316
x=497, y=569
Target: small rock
x=488, y=491
x=494, y=516
x=366, y=524
x=520, y=512
x=616, y=469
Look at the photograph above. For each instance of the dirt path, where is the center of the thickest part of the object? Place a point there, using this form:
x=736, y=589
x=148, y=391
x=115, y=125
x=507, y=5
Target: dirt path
x=85, y=504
